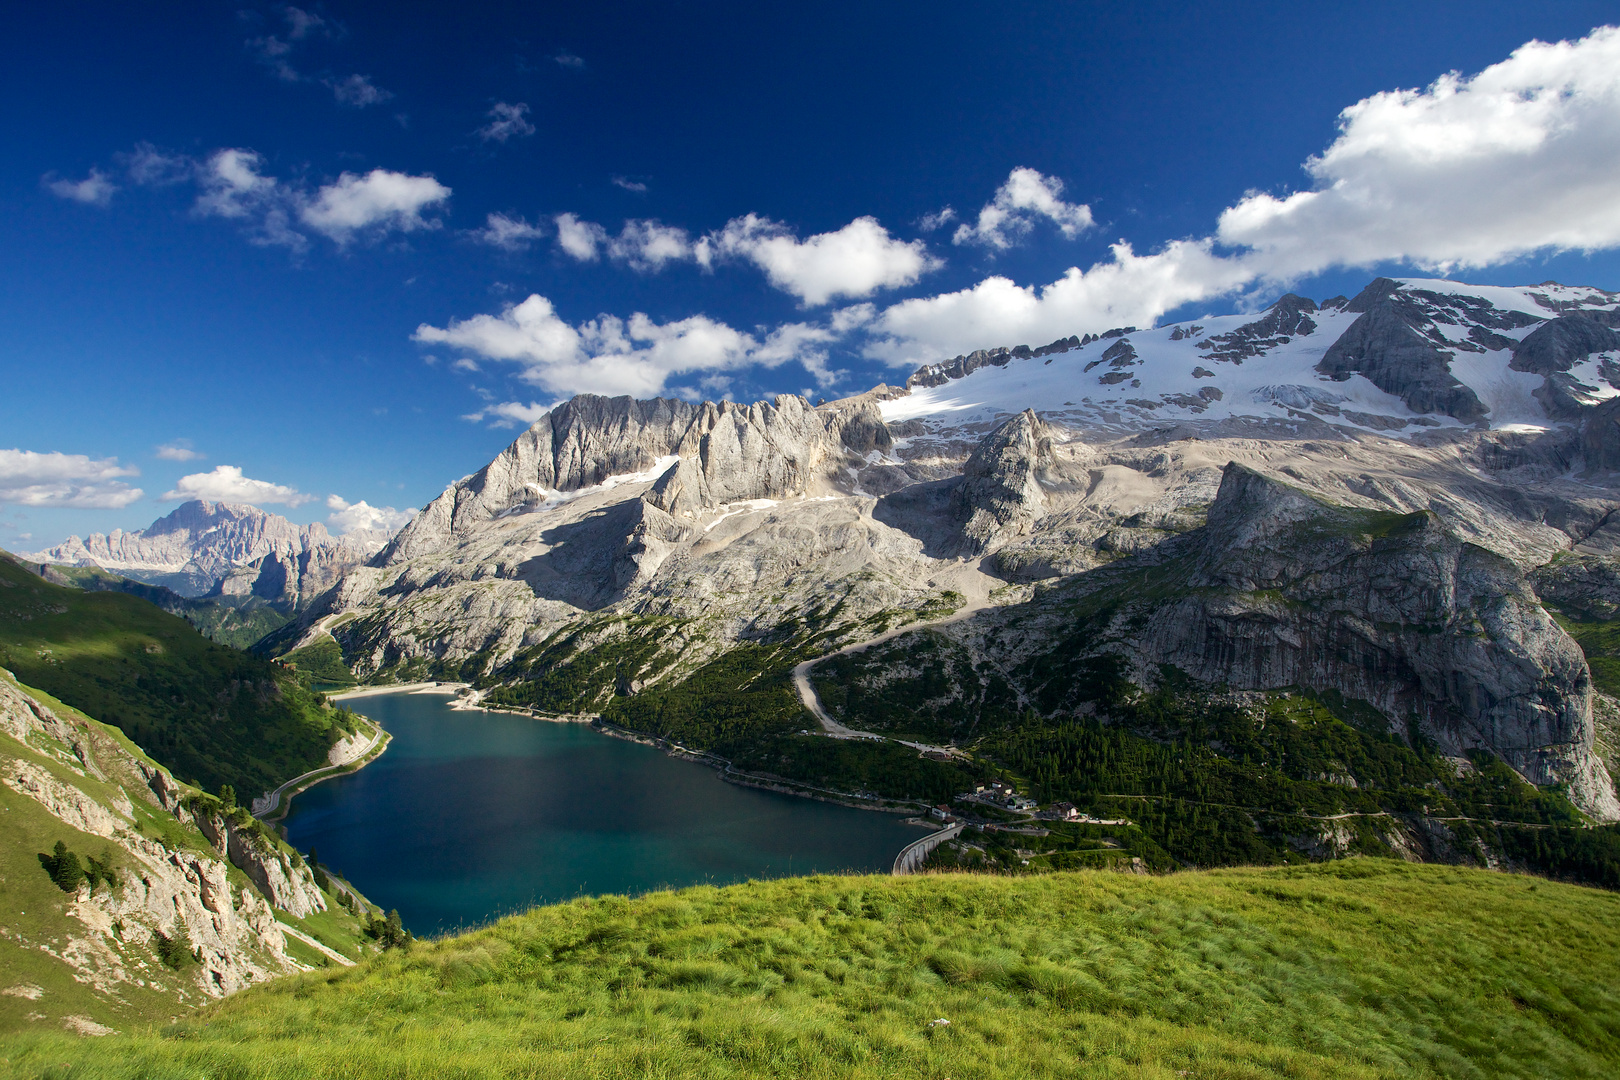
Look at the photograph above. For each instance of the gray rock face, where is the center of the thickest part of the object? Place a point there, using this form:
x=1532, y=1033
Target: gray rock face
x=1387, y=347
x=223, y=549
x=1283, y=320
x=1000, y=493
x=736, y=453
x=1396, y=610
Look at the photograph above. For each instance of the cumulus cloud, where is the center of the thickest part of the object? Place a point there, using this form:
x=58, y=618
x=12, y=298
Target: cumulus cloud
x=506, y=122
x=579, y=239
x=1471, y=171
x=358, y=91
x=608, y=355
x=648, y=245
x=93, y=190
x=232, y=185
x=28, y=478
x=630, y=185
x=347, y=517
x=1026, y=197
x=379, y=201
x=937, y=220
x=645, y=245
x=1128, y=289
x=178, y=450
x=509, y=414
x=508, y=233
x=854, y=261
x=227, y=484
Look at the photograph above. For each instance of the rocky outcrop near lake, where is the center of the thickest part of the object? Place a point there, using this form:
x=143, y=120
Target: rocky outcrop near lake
x=180, y=899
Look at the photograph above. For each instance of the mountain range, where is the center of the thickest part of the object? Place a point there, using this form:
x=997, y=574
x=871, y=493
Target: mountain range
x=1374, y=498
x=226, y=550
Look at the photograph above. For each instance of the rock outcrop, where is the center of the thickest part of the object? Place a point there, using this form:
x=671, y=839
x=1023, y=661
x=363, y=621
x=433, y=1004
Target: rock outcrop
x=1283, y=590
x=1000, y=493
x=80, y=785
x=223, y=549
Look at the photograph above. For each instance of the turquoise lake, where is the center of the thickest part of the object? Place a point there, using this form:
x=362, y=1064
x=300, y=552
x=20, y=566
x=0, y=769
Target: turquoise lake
x=472, y=815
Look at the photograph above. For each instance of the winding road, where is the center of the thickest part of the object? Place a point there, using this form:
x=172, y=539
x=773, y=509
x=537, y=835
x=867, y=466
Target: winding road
x=974, y=585
x=265, y=806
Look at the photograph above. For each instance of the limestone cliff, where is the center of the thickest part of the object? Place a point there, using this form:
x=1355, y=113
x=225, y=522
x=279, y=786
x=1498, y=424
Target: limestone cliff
x=211, y=891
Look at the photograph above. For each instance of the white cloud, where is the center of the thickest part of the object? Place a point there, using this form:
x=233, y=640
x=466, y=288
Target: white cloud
x=1129, y=289
x=579, y=238
x=854, y=261
x=178, y=450
x=609, y=355
x=1025, y=198
x=1522, y=157
x=148, y=166
x=380, y=200
x=1471, y=172
x=69, y=480
x=648, y=245
x=233, y=186
x=630, y=185
x=506, y=122
x=347, y=517
x=645, y=245
x=937, y=220
x=93, y=190
x=570, y=61
x=358, y=91
x=509, y=414
x=509, y=233
x=227, y=484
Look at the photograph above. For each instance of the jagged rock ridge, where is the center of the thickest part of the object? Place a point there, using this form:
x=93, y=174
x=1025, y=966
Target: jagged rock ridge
x=224, y=549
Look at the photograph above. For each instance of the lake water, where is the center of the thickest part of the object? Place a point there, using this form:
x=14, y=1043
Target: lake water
x=473, y=815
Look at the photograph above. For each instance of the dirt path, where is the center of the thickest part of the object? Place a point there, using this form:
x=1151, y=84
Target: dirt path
x=293, y=931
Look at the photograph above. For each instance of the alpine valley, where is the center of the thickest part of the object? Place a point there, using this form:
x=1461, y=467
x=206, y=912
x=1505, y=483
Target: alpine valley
x=1332, y=578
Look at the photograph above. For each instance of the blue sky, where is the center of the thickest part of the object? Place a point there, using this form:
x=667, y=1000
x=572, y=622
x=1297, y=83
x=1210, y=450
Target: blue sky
x=263, y=236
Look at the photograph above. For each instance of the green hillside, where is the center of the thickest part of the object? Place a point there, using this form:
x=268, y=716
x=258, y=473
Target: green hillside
x=237, y=623
x=213, y=715
x=1362, y=968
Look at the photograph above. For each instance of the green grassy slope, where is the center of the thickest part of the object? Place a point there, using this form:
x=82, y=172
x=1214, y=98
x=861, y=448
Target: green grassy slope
x=49, y=939
x=237, y=624
x=1355, y=969
x=211, y=714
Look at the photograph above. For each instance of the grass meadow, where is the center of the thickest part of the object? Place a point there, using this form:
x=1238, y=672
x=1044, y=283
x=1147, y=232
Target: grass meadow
x=1359, y=968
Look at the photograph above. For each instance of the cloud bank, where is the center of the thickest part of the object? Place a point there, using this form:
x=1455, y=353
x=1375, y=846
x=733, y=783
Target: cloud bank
x=65, y=480
x=1470, y=171
x=232, y=183
x=227, y=484
x=347, y=517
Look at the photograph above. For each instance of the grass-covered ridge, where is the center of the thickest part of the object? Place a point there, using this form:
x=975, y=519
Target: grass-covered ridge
x=213, y=715
x=1354, y=969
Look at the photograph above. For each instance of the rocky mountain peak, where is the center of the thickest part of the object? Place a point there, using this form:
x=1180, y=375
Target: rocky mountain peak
x=1000, y=493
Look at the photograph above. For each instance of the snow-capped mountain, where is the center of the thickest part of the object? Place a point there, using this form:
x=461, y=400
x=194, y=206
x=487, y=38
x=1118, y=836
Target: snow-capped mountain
x=225, y=548
x=1400, y=358
x=679, y=531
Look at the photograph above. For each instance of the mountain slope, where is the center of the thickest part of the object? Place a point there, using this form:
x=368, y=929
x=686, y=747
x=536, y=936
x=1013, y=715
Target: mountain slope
x=233, y=621
x=188, y=900
x=1359, y=969
x=667, y=565
x=212, y=714
x=226, y=549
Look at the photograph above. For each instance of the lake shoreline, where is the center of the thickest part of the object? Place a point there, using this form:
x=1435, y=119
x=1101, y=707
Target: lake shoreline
x=728, y=772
